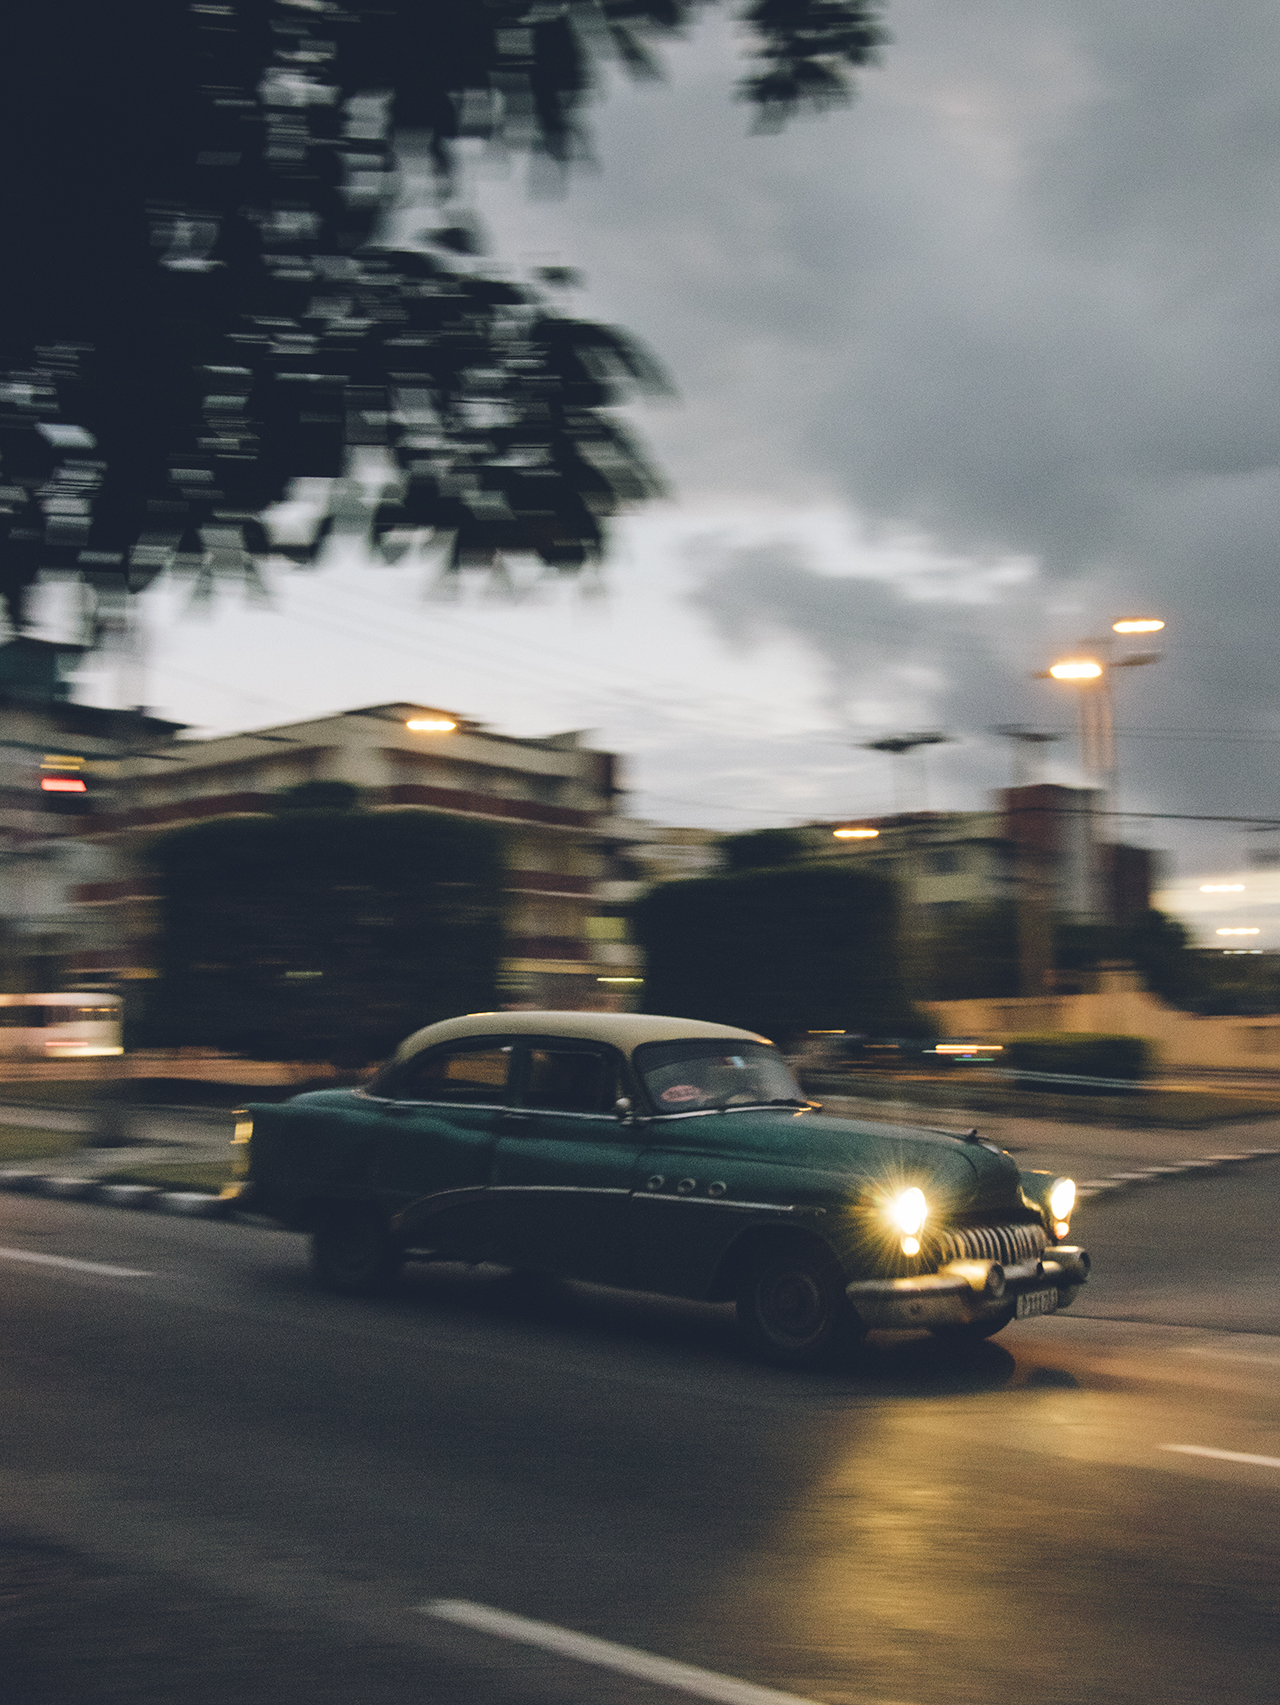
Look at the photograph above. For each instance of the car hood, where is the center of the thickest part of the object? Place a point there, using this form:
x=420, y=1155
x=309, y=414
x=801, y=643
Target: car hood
x=968, y=1175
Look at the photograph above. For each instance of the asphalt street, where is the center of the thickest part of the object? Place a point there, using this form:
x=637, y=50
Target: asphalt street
x=221, y=1485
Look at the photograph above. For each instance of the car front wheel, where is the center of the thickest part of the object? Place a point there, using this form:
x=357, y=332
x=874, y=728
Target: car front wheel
x=793, y=1311
x=353, y=1254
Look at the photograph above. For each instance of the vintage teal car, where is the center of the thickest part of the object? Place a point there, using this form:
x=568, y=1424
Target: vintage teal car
x=665, y=1155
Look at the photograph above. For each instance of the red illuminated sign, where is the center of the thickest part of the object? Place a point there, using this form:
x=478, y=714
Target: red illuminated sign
x=62, y=784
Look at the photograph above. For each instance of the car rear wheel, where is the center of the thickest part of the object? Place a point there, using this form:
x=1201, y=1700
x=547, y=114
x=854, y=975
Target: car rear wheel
x=975, y=1330
x=793, y=1311
x=353, y=1253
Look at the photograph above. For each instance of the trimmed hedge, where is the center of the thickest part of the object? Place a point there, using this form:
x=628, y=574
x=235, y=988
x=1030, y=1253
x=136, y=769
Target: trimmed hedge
x=783, y=951
x=1080, y=1054
x=323, y=935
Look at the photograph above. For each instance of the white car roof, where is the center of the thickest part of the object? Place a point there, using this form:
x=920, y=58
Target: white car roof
x=625, y=1030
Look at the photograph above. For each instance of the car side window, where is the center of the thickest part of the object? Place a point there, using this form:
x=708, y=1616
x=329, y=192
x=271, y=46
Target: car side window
x=466, y=1075
x=571, y=1080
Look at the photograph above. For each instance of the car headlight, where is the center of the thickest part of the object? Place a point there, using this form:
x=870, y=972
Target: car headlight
x=1062, y=1198
x=909, y=1211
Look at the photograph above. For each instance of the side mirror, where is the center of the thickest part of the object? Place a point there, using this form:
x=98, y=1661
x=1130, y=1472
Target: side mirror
x=622, y=1107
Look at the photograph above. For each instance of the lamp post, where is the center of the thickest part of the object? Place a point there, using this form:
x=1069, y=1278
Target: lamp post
x=1089, y=671
x=1035, y=933
x=901, y=746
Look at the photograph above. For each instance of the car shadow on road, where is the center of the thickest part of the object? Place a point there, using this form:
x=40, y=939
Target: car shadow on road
x=885, y=1365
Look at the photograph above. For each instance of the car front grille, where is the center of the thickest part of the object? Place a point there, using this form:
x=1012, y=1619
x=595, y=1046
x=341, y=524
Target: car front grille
x=1004, y=1243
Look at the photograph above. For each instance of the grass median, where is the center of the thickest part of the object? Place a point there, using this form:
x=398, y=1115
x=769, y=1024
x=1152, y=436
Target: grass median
x=24, y=1142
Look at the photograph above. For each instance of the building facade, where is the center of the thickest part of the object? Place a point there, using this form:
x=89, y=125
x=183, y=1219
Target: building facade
x=60, y=766
x=554, y=799
x=1040, y=842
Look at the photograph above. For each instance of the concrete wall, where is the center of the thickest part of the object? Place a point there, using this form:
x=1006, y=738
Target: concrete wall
x=1121, y=1007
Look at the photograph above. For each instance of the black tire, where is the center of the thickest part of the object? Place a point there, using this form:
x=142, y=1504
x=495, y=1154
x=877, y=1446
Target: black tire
x=793, y=1311
x=974, y=1331
x=353, y=1254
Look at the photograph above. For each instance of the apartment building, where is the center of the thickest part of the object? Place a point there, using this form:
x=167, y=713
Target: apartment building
x=554, y=798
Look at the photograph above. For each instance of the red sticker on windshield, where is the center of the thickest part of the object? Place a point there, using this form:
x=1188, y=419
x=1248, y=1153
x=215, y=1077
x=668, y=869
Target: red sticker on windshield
x=682, y=1092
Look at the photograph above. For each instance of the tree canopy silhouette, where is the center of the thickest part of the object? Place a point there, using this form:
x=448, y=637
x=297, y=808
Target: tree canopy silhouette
x=199, y=302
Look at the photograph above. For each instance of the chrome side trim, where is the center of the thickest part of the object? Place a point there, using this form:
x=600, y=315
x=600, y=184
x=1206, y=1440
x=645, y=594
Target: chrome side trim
x=452, y=1106
x=559, y=1190
x=794, y=1107
x=670, y=1197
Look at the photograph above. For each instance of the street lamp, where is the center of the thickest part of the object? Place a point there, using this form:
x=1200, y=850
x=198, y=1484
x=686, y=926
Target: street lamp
x=902, y=746
x=1089, y=670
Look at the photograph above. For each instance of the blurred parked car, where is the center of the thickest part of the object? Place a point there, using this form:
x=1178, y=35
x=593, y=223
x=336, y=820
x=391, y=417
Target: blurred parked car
x=852, y=1051
x=666, y=1155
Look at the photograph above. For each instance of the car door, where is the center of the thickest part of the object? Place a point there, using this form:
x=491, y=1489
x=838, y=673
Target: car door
x=563, y=1163
x=437, y=1124
x=700, y=1181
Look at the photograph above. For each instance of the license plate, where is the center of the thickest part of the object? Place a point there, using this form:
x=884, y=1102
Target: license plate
x=1036, y=1302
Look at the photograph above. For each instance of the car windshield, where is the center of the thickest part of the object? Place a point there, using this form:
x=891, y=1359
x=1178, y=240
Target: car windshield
x=687, y=1077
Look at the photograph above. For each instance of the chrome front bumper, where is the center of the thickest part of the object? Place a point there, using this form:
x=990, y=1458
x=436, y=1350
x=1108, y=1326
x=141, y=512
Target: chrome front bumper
x=965, y=1291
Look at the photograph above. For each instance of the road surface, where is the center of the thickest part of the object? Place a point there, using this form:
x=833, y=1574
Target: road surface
x=222, y=1486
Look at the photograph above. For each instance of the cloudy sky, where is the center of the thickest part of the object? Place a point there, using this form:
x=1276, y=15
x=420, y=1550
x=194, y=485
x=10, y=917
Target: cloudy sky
x=965, y=372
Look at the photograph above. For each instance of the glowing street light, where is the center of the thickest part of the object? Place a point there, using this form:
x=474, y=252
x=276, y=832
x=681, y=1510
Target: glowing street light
x=855, y=834
x=431, y=725
x=1092, y=676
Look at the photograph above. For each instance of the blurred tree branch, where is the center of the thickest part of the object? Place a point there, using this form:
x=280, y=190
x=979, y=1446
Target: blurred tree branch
x=199, y=305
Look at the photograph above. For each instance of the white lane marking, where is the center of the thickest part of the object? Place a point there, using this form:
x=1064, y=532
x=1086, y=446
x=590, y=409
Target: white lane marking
x=703, y=1683
x=1226, y=1455
x=38, y=1259
x=1232, y=1356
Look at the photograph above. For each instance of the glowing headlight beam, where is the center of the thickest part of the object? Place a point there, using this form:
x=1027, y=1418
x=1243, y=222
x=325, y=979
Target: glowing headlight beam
x=1062, y=1198
x=909, y=1211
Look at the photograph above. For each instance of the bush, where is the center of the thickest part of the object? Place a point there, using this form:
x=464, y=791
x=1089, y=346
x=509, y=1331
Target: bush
x=778, y=951
x=972, y=955
x=1080, y=1054
x=323, y=935
x=759, y=849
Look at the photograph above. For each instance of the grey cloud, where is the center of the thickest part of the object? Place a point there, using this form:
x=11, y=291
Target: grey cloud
x=1024, y=295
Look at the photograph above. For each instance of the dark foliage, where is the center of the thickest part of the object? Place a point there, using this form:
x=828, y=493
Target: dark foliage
x=760, y=848
x=778, y=951
x=325, y=935
x=318, y=796
x=197, y=304
x=1079, y=1054
x=972, y=955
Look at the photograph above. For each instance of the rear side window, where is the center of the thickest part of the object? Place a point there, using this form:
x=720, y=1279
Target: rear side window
x=571, y=1080
x=477, y=1076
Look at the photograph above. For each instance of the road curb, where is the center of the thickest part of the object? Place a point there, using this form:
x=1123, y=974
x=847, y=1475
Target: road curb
x=194, y=1204
x=1092, y=1187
